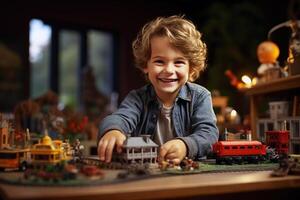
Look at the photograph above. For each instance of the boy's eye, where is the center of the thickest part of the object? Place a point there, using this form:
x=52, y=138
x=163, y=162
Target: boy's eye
x=158, y=61
x=180, y=62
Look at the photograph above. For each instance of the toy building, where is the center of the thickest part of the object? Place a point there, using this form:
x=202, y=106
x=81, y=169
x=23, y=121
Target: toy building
x=4, y=134
x=292, y=124
x=278, y=140
x=275, y=127
x=10, y=156
x=49, y=151
x=138, y=150
x=278, y=109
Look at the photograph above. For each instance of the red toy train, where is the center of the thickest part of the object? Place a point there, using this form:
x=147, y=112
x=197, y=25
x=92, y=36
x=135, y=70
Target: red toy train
x=239, y=151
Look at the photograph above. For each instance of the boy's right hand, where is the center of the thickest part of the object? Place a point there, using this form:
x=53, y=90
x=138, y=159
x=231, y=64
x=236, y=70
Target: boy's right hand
x=107, y=143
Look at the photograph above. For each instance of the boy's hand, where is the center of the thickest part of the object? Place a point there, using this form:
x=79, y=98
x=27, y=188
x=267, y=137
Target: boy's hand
x=107, y=143
x=174, y=150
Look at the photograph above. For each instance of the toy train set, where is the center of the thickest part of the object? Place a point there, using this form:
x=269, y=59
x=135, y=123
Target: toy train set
x=241, y=151
x=51, y=161
x=225, y=152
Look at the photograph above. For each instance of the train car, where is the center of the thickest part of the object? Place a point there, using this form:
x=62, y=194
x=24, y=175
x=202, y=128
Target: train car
x=239, y=151
x=278, y=140
x=14, y=159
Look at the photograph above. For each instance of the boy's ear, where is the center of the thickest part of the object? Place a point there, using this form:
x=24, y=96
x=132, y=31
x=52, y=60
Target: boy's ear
x=192, y=75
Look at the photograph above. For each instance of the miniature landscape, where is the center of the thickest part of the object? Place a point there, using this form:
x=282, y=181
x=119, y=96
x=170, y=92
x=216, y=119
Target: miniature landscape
x=111, y=176
x=51, y=161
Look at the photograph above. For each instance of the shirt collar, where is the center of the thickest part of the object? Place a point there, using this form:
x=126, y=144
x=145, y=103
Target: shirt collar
x=184, y=93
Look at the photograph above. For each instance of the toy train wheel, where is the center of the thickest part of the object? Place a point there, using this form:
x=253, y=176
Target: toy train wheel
x=256, y=160
x=23, y=166
x=238, y=160
x=228, y=161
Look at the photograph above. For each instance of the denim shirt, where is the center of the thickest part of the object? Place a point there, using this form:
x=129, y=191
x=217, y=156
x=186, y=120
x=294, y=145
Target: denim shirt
x=193, y=117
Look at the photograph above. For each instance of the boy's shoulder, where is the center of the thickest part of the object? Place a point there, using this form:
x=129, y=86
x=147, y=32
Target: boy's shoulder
x=192, y=91
x=145, y=92
x=196, y=88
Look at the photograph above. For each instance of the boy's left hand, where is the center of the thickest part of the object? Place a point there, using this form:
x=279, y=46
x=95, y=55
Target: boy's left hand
x=174, y=150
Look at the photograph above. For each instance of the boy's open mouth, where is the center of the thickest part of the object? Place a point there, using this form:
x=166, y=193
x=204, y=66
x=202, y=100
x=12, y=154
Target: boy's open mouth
x=168, y=80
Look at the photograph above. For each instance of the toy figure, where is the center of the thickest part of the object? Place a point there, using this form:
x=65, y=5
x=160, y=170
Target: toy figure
x=78, y=149
x=176, y=113
x=267, y=53
x=294, y=44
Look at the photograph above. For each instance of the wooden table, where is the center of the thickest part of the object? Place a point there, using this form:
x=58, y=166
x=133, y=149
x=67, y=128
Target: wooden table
x=229, y=185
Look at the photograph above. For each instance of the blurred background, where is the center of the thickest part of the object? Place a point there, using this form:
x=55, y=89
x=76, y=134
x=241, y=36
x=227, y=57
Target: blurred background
x=77, y=54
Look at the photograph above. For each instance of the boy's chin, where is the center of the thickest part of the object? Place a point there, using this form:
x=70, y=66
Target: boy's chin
x=169, y=90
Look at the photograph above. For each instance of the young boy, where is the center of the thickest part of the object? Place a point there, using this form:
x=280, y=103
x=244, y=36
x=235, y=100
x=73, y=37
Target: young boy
x=176, y=113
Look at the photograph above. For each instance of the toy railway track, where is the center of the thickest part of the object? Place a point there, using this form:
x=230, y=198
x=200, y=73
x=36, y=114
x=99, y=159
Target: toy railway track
x=94, y=160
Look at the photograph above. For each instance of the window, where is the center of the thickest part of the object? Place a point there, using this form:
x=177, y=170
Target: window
x=8, y=155
x=100, y=56
x=261, y=131
x=43, y=147
x=68, y=60
x=59, y=54
x=137, y=150
x=4, y=139
x=296, y=128
x=270, y=126
x=39, y=57
x=296, y=148
x=41, y=157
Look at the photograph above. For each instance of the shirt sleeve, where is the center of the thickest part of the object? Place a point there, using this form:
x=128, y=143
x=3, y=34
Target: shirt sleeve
x=203, y=127
x=126, y=118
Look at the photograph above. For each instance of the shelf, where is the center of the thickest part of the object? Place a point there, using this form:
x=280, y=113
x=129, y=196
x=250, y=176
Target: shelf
x=291, y=82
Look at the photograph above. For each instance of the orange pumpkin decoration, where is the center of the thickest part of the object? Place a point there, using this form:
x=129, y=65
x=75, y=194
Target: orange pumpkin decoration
x=267, y=52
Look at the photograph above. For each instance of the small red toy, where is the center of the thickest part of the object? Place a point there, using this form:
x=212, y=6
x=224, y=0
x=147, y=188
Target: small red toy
x=239, y=151
x=278, y=140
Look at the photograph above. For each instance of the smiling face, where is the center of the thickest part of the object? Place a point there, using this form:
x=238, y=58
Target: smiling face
x=167, y=69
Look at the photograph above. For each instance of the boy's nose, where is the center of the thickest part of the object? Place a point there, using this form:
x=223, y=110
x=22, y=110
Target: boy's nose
x=169, y=68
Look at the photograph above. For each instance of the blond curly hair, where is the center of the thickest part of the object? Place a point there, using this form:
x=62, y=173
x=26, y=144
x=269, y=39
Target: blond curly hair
x=182, y=34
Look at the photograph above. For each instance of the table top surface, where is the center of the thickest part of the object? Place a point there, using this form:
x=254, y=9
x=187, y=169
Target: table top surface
x=160, y=188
